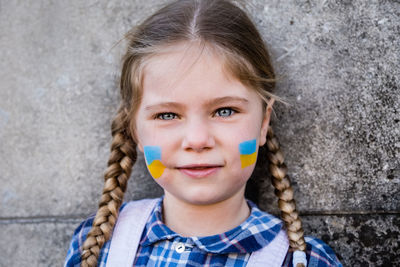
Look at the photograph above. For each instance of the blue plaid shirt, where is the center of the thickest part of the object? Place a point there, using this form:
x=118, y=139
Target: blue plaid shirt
x=159, y=244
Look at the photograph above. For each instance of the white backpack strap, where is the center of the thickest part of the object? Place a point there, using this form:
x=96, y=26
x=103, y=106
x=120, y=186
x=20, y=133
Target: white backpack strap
x=128, y=231
x=272, y=254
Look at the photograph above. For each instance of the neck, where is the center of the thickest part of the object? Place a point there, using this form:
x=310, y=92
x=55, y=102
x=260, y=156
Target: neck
x=189, y=219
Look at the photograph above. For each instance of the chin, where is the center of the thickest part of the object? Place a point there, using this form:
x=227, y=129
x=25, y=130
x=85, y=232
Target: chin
x=204, y=198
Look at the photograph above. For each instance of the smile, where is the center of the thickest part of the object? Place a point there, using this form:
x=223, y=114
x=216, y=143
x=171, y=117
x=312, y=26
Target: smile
x=199, y=170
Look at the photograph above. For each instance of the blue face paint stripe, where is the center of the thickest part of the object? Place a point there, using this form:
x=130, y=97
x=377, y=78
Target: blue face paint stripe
x=152, y=153
x=248, y=147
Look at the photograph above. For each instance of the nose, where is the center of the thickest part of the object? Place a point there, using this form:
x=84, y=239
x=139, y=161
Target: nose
x=197, y=136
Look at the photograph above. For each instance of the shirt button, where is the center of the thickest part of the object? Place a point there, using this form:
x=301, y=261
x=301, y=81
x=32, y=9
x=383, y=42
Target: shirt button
x=180, y=247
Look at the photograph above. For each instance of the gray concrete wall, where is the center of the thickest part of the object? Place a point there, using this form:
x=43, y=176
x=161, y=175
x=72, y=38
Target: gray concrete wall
x=339, y=67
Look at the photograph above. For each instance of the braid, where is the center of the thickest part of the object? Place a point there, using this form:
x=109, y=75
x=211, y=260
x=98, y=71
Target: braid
x=123, y=156
x=284, y=192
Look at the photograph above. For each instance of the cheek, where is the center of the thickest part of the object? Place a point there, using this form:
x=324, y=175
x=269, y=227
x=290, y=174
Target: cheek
x=152, y=155
x=248, y=153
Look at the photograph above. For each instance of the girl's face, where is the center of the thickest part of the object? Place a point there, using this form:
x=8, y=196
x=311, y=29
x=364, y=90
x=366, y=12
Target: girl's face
x=191, y=121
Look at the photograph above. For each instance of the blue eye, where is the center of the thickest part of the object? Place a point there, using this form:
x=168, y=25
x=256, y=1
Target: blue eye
x=224, y=112
x=166, y=116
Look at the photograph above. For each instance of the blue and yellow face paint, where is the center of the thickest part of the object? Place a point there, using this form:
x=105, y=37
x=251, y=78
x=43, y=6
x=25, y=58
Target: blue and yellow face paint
x=248, y=152
x=152, y=154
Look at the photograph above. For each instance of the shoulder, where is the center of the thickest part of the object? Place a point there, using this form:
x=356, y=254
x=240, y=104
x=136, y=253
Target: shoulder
x=75, y=248
x=318, y=254
x=73, y=258
x=142, y=204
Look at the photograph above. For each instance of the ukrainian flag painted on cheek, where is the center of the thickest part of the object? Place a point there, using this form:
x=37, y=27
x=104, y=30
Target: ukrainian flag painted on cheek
x=152, y=155
x=248, y=152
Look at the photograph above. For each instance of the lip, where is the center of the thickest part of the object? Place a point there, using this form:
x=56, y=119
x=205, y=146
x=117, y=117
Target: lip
x=199, y=170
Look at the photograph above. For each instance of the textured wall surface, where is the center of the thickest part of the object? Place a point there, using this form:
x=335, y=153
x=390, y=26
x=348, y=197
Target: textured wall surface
x=338, y=63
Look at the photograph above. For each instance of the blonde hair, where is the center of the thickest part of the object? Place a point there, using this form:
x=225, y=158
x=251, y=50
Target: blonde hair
x=224, y=27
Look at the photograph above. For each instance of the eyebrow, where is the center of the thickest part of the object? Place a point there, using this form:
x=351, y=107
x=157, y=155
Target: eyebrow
x=212, y=102
x=164, y=105
x=222, y=100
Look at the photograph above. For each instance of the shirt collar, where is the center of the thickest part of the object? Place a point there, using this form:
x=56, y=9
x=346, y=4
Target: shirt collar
x=257, y=231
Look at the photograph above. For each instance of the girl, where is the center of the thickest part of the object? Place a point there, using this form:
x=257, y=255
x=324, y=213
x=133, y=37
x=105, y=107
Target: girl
x=196, y=89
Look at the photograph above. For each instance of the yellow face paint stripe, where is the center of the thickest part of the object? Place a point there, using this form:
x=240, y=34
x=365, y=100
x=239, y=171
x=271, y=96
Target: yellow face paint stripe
x=248, y=160
x=156, y=169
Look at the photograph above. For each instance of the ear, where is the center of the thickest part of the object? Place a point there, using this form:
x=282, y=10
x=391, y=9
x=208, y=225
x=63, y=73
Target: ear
x=265, y=122
x=138, y=142
x=139, y=145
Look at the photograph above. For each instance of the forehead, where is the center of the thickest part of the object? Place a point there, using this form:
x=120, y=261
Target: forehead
x=189, y=69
